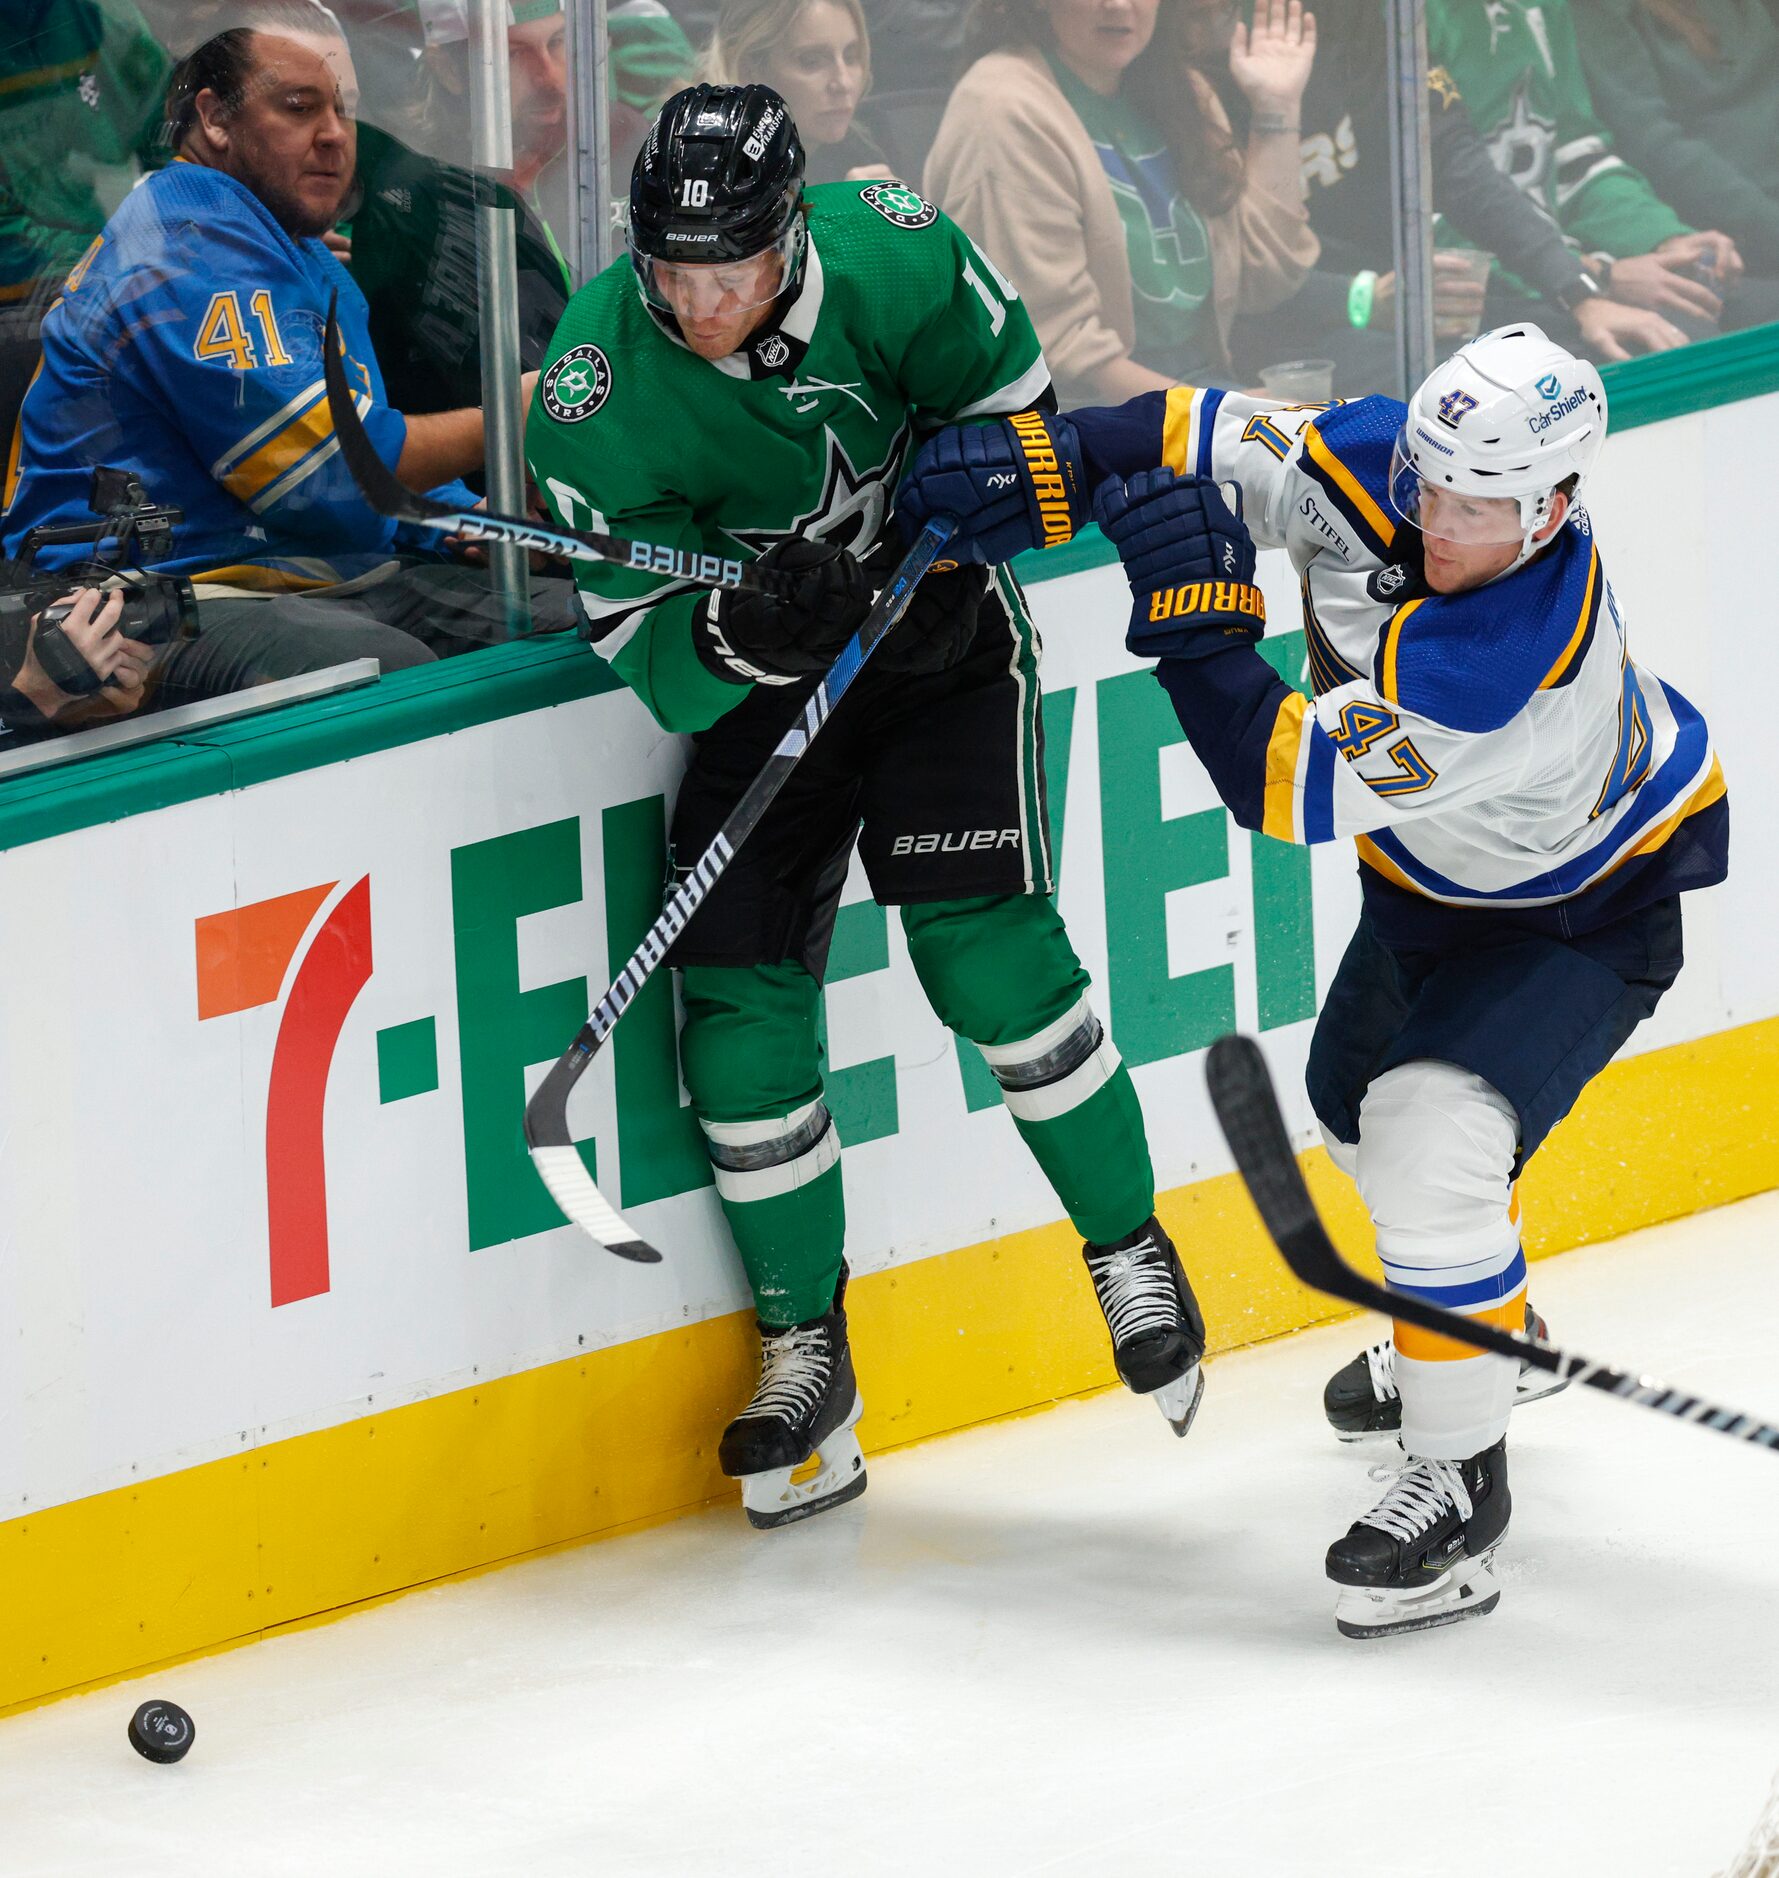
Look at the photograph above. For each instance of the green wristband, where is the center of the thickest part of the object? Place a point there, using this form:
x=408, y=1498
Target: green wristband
x=1360, y=296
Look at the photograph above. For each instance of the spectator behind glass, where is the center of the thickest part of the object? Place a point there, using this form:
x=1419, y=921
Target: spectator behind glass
x=415, y=232
x=187, y=350
x=80, y=117
x=1346, y=310
x=1691, y=93
x=1097, y=168
x=650, y=59
x=1518, y=69
x=816, y=55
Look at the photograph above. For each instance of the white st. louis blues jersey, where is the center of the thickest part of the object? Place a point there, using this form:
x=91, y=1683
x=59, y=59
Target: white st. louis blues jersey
x=1498, y=748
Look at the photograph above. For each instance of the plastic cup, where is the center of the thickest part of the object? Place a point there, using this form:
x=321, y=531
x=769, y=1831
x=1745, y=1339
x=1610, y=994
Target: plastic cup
x=1456, y=265
x=1309, y=381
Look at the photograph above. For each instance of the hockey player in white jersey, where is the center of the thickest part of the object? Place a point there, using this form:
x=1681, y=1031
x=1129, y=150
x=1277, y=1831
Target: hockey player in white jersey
x=1527, y=801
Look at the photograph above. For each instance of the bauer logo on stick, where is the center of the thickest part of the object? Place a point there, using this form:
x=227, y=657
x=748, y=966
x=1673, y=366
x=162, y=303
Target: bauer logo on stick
x=900, y=205
x=577, y=385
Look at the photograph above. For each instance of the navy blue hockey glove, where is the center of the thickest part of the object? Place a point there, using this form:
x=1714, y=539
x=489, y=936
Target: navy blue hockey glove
x=760, y=638
x=1189, y=560
x=939, y=626
x=1015, y=484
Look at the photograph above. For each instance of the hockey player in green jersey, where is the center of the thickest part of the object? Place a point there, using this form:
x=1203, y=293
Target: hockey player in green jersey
x=748, y=381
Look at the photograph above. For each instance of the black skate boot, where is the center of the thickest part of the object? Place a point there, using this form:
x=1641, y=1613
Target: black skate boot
x=1158, y=1334
x=807, y=1404
x=1361, y=1399
x=1420, y=1557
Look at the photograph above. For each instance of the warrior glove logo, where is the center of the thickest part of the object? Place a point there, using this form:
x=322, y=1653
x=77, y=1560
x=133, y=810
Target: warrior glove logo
x=576, y=385
x=900, y=205
x=1048, y=489
x=1224, y=597
x=1453, y=406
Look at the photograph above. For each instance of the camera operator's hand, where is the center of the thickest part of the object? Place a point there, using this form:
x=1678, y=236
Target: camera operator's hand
x=90, y=629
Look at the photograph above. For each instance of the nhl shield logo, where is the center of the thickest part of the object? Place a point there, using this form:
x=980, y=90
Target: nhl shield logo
x=1387, y=582
x=773, y=351
x=899, y=204
x=576, y=385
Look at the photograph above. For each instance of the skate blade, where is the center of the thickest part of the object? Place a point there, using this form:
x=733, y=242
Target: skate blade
x=1535, y=1384
x=1467, y=1590
x=777, y=1498
x=1178, y=1400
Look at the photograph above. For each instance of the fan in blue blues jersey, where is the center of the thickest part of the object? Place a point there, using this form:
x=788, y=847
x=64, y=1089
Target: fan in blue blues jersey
x=1528, y=803
x=186, y=348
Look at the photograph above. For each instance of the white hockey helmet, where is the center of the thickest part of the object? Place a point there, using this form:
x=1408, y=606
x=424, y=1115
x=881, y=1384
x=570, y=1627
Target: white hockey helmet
x=1511, y=414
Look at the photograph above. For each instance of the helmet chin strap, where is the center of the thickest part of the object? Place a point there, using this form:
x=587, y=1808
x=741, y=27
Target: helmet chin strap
x=1529, y=544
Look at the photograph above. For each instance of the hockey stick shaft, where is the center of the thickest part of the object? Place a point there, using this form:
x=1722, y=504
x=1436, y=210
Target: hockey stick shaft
x=388, y=495
x=1247, y=1108
x=558, y=1162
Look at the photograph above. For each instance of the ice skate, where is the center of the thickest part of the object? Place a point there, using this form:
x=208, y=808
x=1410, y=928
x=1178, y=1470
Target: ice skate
x=805, y=1409
x=1420, y=1557
x=1158, y=1335
x=1361, y=1400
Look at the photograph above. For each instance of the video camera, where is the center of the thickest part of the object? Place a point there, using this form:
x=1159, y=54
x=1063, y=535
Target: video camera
x=158, y=608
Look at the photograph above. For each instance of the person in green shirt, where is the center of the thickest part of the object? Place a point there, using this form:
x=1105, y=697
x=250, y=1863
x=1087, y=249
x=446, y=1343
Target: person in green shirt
x=746, y=383
x=1691, y=92
x=1518, y=69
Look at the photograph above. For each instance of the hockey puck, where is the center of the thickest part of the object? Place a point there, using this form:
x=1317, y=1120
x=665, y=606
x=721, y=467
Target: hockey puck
x=162, y=1732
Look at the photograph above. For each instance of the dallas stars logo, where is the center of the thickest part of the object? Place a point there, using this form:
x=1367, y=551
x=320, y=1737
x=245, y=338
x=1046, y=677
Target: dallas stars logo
x=576, y=385
x=850, y=508
x=898, y=204
x=1524, y=145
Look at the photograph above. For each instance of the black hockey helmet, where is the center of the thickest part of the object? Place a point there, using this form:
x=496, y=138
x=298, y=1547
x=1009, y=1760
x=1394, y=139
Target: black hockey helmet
x=719, y=178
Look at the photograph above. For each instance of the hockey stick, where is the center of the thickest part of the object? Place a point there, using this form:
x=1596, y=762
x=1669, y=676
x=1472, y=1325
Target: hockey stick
x=553, y=1152
x=1248, y=1109
x=381, y=488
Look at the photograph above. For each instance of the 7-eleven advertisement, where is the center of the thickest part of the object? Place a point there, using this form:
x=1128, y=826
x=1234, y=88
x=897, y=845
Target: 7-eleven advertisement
x=269, y=1050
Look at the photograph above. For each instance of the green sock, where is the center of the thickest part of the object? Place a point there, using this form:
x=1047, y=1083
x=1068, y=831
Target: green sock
x=751, y=1056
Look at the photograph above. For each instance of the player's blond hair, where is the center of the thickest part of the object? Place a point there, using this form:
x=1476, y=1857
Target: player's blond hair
x=747, y=31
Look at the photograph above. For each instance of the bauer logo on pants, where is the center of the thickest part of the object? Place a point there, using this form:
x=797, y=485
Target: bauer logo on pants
x=577, y=385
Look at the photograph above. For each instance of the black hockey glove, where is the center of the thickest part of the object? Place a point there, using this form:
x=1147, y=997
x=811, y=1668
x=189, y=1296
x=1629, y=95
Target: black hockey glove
x=939, y=626
x=1014, y=484
x=1189, y=560
x=766, y=639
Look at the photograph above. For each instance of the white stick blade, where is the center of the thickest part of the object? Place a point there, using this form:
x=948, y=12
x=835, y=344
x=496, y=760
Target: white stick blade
x=565, y=1174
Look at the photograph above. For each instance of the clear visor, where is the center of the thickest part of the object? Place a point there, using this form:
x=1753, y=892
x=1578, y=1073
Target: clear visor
x=1452, y=515
x=720, y=290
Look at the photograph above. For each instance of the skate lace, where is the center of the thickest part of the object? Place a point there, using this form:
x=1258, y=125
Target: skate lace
x=1381, y=1362
x=1136, y=1290
x=794, y=1370
x=1419, y=1493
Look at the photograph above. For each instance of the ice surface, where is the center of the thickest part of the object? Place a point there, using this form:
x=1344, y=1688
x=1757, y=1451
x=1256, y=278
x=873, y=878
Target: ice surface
x=1066, y=1644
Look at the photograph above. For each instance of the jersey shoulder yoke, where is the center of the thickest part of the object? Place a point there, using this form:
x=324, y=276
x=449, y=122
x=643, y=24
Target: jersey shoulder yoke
x=1473, y=661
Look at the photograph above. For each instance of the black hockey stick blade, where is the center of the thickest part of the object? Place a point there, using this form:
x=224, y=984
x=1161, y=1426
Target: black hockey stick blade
x=389, y=495
x=553, y=1152
x=1247, y=1109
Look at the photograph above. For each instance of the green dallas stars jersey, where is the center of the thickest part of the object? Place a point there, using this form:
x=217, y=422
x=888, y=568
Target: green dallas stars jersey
x=1518, y=69
x=901, y=324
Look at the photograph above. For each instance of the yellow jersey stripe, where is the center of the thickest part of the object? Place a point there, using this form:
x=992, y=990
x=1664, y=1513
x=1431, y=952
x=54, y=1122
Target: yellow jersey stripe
x=1393, y=637
x=1581, y=625
x=18, y=446
x=280, y=453
x=259, y=578
x=1177, y=448
x=1709, y=791
x=1428, y=1346
x=1284, y=748
x=1350, y=486
x=245, y=446
x=1374, y=857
